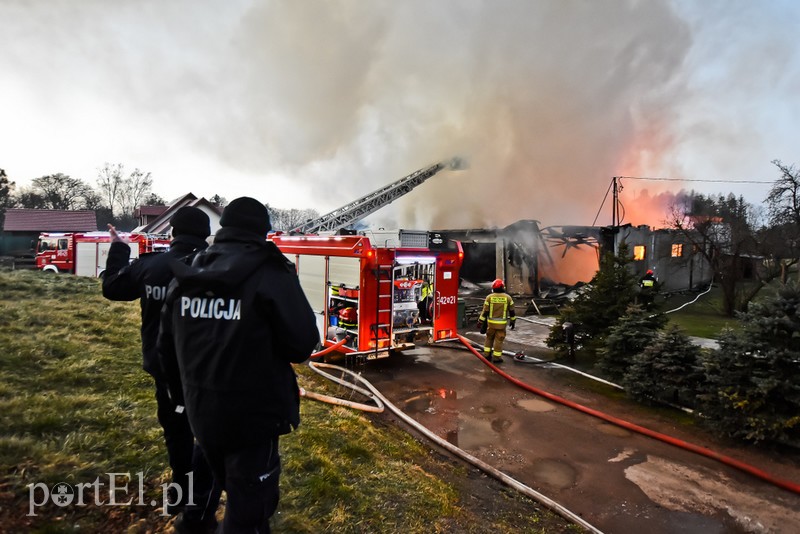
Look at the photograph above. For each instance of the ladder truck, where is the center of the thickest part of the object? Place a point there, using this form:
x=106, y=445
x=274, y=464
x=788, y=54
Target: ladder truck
x=356, y=210
x=366, y=289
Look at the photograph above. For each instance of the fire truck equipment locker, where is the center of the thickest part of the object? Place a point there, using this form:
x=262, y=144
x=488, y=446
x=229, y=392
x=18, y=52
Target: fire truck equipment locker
x=90, y=258
x=369, y=295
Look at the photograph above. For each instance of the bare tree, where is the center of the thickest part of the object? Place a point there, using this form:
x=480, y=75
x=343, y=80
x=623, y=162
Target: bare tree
x=286, y=219
x=123, y=193
x=60, y=192
x=92, y=200
x=134, y=190
x=723, y=231
x=783, y=203
x=27, y=198
x=154, y=199
x=110, y=182
x=783, y=199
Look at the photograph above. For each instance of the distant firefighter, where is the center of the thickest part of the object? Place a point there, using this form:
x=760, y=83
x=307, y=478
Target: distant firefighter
x=648, y=287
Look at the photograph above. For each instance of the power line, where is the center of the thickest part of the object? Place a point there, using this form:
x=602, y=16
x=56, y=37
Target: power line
x=602, y=203
x=691, y=180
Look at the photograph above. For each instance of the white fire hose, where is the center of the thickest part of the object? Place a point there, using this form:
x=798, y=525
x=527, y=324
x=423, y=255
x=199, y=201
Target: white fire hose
x=381, y=401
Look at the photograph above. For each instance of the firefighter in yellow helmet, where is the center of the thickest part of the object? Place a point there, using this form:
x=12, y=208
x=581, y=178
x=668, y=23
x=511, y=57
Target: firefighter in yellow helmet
x=498, y=311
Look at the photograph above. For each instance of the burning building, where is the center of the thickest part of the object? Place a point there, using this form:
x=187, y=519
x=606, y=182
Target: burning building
x=528, y=257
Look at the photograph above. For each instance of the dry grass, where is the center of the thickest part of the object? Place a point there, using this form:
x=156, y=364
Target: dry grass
x=75, y=405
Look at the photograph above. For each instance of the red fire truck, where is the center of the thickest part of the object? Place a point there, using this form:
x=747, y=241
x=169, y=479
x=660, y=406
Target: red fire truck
x=369, y=294
x=85, y=253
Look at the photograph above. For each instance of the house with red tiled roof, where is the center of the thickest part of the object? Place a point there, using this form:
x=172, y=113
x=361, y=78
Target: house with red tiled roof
x=22, y=226
x=159, y=224
x=30, y=220
x=148, y=214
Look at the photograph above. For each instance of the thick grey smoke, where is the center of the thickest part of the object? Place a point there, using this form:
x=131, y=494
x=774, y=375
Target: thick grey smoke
x=547, y=100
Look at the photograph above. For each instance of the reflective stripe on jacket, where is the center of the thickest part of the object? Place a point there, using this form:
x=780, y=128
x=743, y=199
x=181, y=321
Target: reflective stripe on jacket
x=497, y=309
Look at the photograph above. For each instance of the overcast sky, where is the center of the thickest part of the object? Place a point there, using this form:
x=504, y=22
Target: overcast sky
x=314, y=103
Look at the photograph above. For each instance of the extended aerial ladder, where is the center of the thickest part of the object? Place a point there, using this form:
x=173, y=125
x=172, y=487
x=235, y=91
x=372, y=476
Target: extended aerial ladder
x=356, y=210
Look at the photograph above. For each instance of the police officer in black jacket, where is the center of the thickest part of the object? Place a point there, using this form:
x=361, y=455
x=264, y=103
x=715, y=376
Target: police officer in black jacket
x=147, y=279
x=232, y=325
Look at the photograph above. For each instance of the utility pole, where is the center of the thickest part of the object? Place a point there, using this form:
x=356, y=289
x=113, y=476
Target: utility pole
x=615, y=211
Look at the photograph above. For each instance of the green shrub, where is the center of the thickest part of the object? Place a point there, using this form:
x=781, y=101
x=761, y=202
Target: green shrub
x=668, y=370
x=754, y=378
x=600, y=306
x=635, y=331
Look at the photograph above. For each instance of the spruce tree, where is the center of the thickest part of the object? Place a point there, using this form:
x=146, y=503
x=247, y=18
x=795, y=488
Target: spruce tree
x=633, y=333
x=754, y=378
x=669, y=370
x=605, y=300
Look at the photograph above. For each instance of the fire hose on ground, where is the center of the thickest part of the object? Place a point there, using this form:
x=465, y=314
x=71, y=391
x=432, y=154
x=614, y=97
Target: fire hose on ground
x=727, y=460
x=377, y=408
x=521, y=358
x=381, y=402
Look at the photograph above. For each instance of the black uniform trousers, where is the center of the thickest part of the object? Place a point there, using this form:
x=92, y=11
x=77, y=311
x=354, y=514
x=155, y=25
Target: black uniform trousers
x=249, y=475
x=184, y=457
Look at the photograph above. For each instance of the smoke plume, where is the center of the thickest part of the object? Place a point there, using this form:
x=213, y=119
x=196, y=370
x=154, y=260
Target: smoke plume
x=546, y=100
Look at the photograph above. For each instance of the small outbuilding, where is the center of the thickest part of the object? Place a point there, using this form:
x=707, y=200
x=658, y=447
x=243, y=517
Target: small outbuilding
x=22, y=226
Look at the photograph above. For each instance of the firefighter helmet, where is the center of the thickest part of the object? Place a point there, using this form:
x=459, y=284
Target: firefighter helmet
x=649, y=271
x=498, y=284
x=348, y=315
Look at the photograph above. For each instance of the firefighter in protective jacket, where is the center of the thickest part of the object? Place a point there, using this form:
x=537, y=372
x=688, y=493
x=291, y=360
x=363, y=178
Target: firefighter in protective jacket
x=498, y=312
x=424, y=304
x=232, y=325
x=648, y=287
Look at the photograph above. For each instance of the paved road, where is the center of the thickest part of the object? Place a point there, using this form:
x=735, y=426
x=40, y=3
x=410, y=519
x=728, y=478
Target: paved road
x=619, y=481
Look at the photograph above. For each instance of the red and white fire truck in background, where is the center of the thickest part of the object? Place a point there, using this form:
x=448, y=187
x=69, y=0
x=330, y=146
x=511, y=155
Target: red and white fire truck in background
x=369, y=293
x=85, y=253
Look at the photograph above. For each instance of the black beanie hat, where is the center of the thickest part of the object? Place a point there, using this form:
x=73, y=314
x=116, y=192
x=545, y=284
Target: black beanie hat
x=189, y=220
x=247, y=214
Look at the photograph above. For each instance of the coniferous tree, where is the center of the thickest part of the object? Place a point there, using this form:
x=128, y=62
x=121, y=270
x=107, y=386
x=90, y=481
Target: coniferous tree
x=669, y=370
x=753, y=380
x=635, y=331
x=6, y=188
x=607, y=297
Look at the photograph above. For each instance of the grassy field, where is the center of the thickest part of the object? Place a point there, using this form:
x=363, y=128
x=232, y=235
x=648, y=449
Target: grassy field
x=76, y=406
x=702, y=318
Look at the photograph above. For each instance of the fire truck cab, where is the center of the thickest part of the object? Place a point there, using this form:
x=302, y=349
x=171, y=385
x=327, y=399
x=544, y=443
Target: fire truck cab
x=369, y=295
x=85, y=253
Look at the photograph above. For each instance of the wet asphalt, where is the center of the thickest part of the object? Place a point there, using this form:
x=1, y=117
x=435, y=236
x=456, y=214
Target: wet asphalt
x=616, y=479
